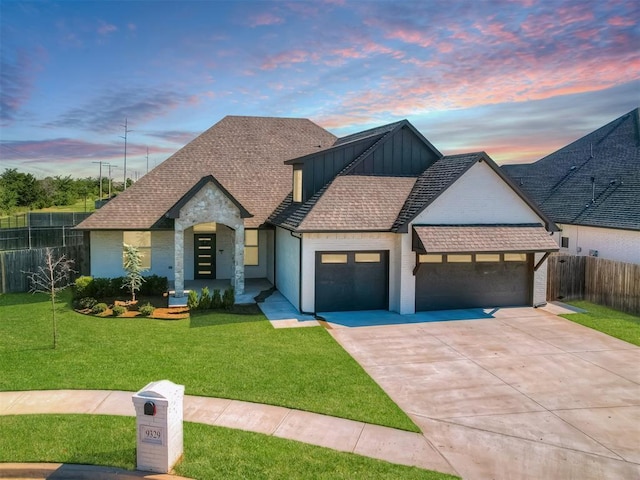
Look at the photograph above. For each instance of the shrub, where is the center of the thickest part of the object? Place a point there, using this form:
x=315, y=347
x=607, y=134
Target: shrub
x=118, y=310
x=83, y=287
x=99, y=308
x=154, y=285
x=192, y=300
x=205, y=299
x=216, y=300
x=101, y=287
x=84, y=303
x=228, y=298
x=147, y=309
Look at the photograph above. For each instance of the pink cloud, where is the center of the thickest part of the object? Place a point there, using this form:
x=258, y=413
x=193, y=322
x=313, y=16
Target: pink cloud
x=264, y=19
x=621, y=22
x=106, y=28
x=414, y=37
x=286, y=59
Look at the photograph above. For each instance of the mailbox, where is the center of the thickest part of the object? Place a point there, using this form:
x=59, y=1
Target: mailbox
x=159, y=435
x=149, y=408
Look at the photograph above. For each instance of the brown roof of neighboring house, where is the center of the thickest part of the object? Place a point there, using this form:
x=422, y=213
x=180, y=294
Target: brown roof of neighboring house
x=359, y=202
x=244, y=154
x=483, y=238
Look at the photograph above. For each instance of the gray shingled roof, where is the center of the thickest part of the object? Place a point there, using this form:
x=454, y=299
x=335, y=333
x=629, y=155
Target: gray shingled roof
x=244, y=154
x=358, y=202
x=484, y=238
x=593, y=181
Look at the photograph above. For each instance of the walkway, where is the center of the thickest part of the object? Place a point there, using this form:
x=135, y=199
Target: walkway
x=391, y=445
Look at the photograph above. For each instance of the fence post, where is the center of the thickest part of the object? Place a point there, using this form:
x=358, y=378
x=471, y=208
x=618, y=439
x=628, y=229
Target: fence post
x=29, y=231
x=63, y=237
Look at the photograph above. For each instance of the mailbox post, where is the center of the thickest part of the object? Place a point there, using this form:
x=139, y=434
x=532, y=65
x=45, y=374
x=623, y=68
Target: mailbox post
x=159, y=426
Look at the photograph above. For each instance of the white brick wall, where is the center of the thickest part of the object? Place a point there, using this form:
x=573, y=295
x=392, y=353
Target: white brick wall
x=288, y=266
x=106, y=254
x=539, y=281
x=479, y=196
x=612, y=244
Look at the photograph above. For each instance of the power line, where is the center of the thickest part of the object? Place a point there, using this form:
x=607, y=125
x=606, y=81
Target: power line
x=126, y=131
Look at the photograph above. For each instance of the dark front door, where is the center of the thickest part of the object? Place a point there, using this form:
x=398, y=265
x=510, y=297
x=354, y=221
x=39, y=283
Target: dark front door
x=356, y=280
x=205, y=255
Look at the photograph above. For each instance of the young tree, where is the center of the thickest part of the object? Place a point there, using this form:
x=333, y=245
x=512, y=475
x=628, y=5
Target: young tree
x=133, y=266
x=51, y=278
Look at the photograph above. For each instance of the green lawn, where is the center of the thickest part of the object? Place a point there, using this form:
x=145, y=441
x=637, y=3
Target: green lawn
x=209, y=452
x=607, y=320
x=214, y=354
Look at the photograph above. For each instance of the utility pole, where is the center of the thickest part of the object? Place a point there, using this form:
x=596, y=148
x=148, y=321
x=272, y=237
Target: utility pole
x=110, y=167
x=100, y=178
x=126, y=131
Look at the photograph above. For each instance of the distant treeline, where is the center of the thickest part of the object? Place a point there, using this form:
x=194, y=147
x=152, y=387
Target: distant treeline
x=20, y=190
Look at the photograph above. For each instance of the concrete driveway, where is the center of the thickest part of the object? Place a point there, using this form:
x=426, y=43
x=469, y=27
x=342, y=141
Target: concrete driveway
x=523, y=394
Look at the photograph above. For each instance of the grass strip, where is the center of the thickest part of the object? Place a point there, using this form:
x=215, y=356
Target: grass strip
x=217, y=354
x=209, y=452
x=624, y=326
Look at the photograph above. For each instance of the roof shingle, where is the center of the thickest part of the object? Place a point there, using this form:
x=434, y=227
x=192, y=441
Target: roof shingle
x=485, y=238
x=244, y=154
x=593, y=181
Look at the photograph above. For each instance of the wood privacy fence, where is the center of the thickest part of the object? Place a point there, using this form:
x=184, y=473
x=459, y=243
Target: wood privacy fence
x=14, y=264
x=605, y=282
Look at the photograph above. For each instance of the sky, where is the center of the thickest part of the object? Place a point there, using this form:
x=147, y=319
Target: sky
x=515, y=78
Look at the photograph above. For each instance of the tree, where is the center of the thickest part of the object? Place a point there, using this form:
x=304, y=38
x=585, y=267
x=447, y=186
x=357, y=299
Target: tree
x=51, y=278
x=133, y=266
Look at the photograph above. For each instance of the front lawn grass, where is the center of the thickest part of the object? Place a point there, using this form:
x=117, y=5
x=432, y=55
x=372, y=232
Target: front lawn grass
x=209, y=452
x=624, y=326
x=217, y=354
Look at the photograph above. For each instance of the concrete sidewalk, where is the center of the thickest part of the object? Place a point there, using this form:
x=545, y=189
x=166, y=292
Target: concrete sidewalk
x=383, y=443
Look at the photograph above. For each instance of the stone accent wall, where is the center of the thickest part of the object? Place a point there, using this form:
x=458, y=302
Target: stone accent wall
x=210, y=205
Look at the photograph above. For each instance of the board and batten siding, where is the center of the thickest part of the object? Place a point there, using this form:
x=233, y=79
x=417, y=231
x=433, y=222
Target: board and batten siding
x=610, y=243
x=106, y=254
x=288, y=266
x=324, y=242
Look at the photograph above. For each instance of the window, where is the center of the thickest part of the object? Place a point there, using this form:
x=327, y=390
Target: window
x=515, y=257
x=142, y=241
x=367, y=258
x=487, y=257
x=333, y=258
x=459, y=258
x=251, y=247
x=564, y=242
x=430, y=258
x=297, y=184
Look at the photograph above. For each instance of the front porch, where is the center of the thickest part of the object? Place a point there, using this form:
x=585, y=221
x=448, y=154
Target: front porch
x=252, y=288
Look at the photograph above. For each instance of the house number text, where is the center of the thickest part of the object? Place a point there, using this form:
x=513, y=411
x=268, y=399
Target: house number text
x=149, y=434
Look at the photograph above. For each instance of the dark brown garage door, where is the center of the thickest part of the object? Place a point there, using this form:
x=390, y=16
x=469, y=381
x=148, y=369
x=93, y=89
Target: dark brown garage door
x=352, y=281
x=473, y=280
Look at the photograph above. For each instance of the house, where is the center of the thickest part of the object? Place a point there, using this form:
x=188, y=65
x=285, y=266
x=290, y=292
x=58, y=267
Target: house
x=375, y=220
x=591, y=189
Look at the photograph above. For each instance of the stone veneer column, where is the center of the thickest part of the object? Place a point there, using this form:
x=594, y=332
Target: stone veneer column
x=238, y=260
x=178, y=266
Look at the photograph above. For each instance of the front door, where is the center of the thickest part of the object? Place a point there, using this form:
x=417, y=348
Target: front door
x=204, y=247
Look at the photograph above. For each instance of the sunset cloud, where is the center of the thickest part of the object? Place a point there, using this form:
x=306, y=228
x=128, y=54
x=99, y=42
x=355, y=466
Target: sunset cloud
x=264, y=19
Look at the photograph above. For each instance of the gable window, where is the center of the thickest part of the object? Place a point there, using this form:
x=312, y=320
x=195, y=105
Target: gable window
x=251, y=247
x=142, y=241
x=297, y=185
x=564, y=242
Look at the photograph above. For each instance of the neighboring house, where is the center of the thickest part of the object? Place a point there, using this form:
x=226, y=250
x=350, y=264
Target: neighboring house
x=376, y=220
x=591, y=189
